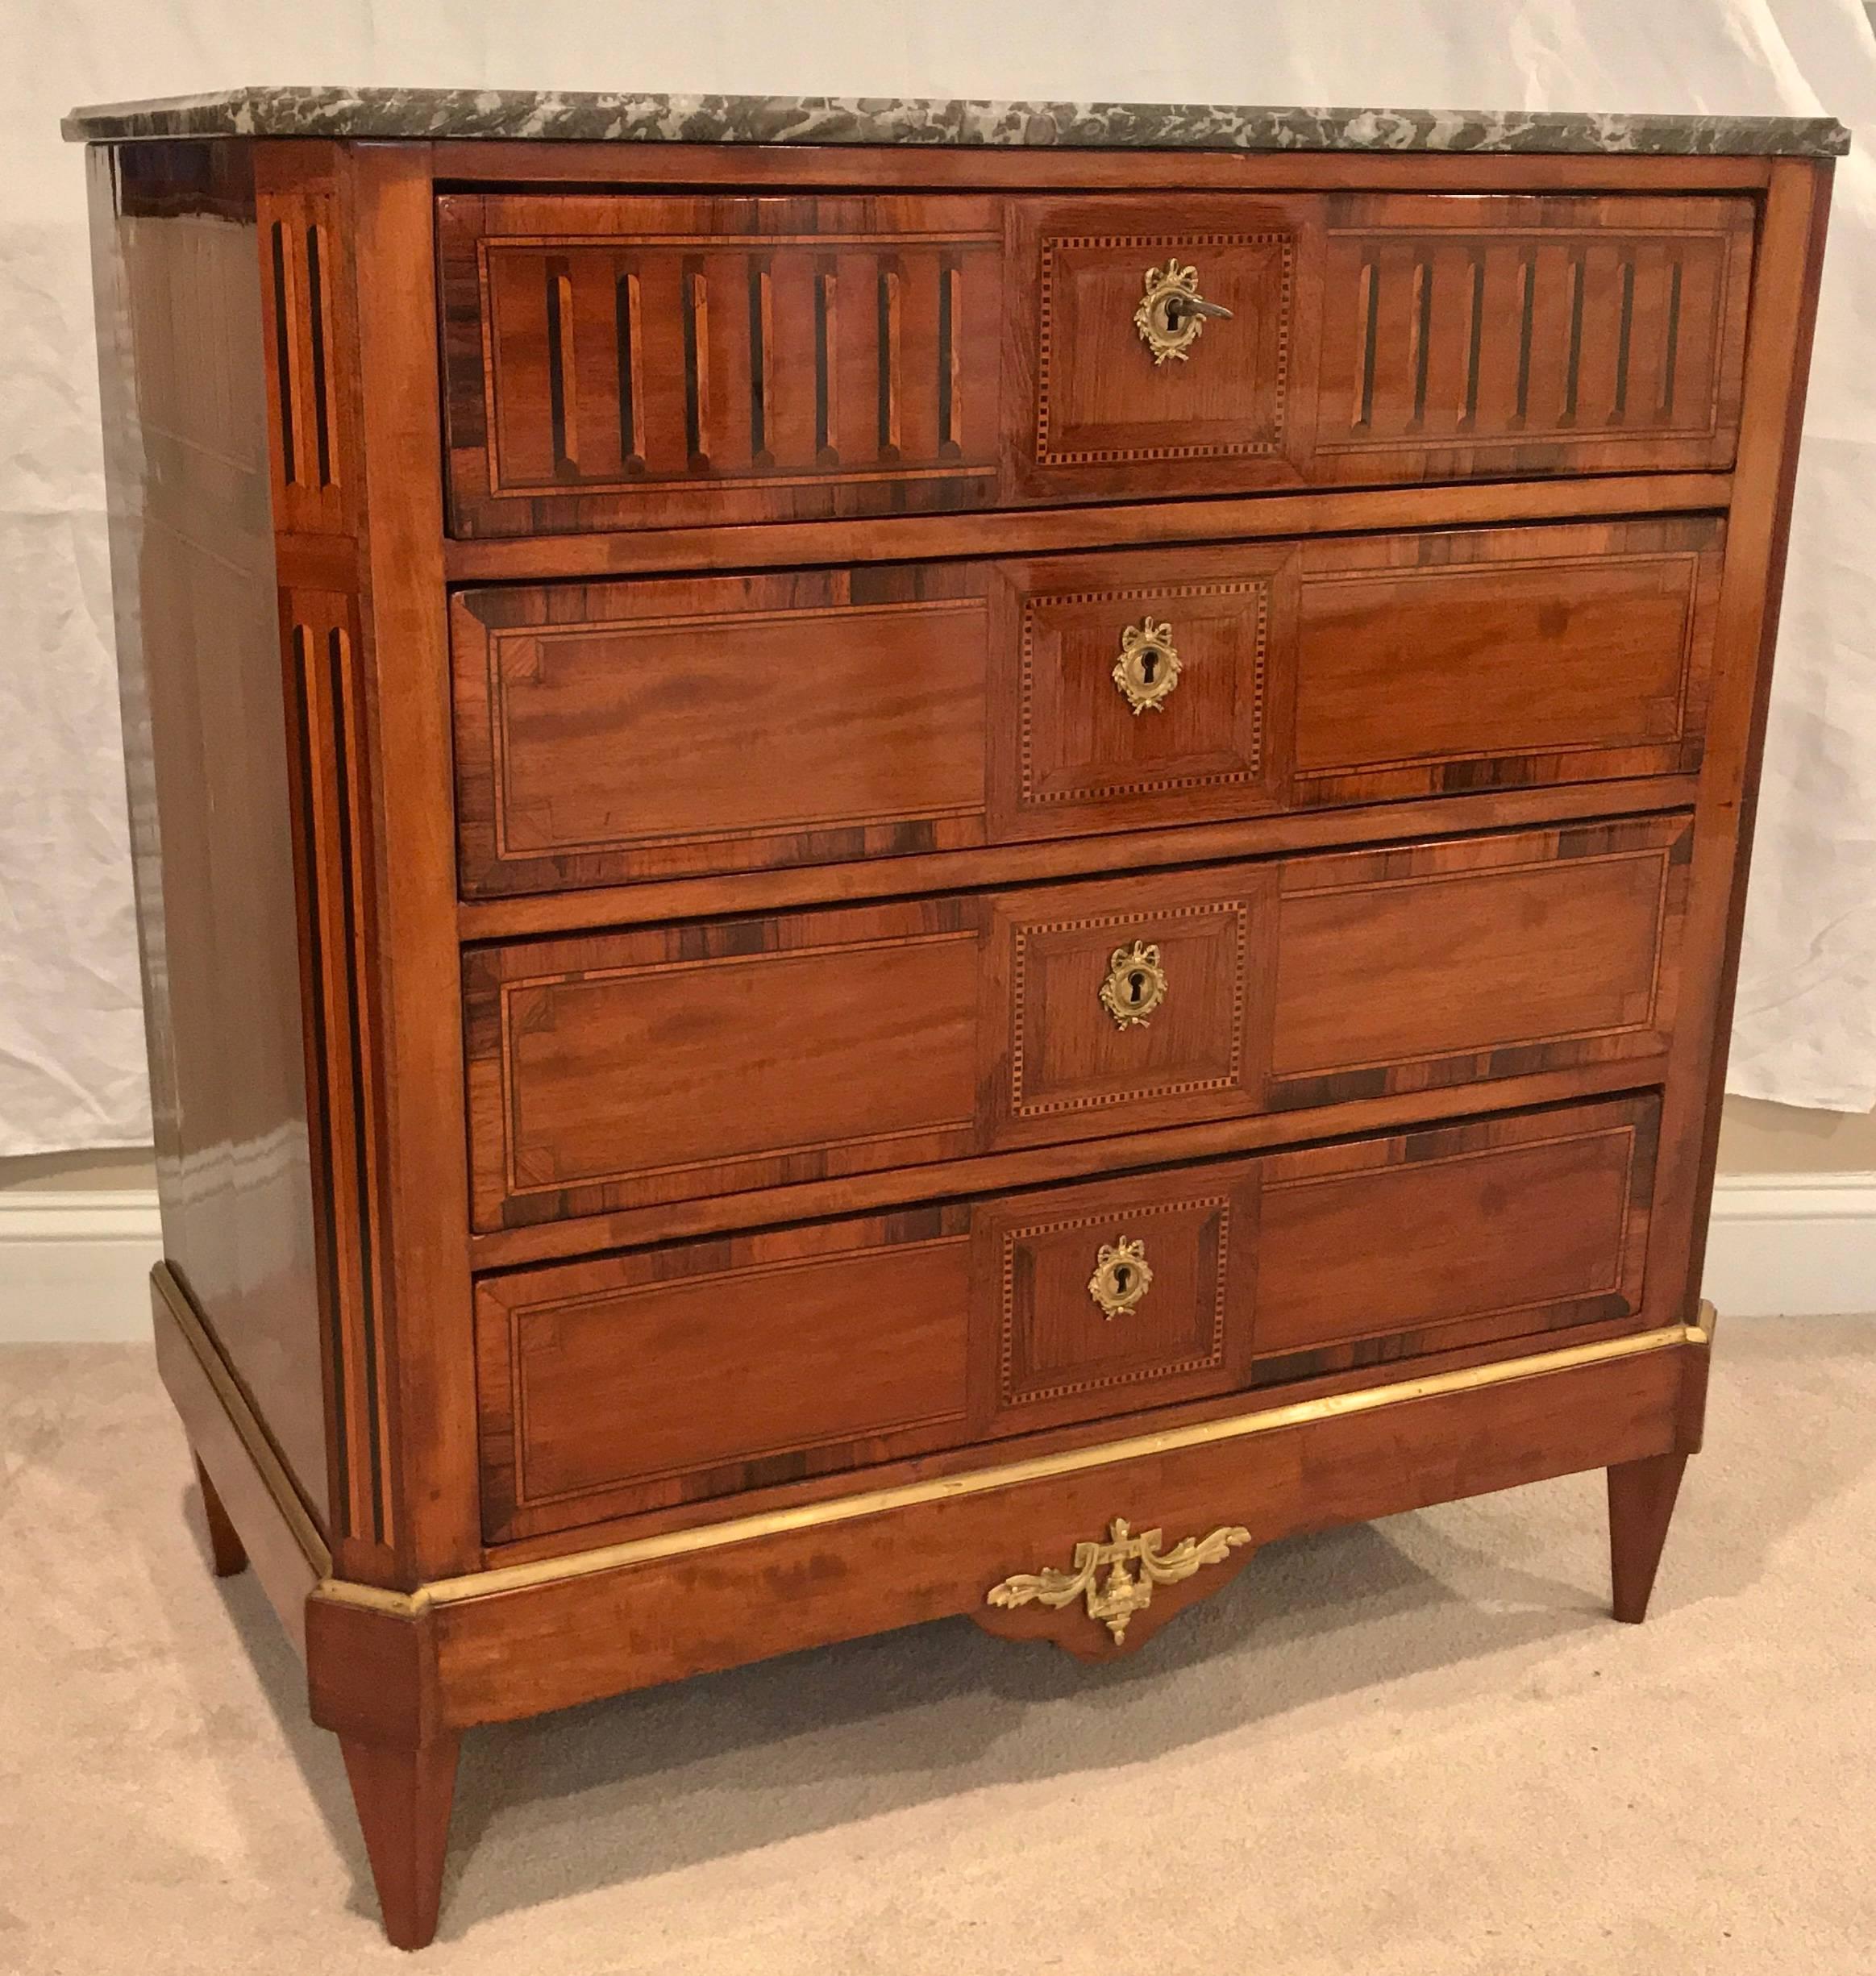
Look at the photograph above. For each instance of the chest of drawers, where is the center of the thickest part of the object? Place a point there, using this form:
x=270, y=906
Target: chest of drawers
x=883, y=879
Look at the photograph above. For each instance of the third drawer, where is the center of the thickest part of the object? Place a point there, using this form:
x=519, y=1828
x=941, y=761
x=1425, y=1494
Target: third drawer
x=614, y=1070
x=615, y=732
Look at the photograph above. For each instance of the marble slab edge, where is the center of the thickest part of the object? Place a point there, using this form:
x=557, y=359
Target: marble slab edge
x=625, y=118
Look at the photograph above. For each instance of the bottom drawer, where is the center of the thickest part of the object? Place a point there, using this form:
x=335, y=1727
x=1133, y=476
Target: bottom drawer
x=674, y=1374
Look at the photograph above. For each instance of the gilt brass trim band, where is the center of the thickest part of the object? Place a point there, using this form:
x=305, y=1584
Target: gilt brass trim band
x=1009, y=1476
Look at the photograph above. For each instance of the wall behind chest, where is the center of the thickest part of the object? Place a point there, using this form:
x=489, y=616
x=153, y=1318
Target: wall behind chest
x=71, y=1049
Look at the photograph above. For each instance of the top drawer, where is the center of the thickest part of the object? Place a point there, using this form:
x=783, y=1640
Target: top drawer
x=619, y=362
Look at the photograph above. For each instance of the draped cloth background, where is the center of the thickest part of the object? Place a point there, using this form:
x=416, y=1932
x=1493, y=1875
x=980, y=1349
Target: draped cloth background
x=71, y=1042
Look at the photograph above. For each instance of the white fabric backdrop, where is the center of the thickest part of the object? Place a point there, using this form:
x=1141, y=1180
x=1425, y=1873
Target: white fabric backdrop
x=71, y=1046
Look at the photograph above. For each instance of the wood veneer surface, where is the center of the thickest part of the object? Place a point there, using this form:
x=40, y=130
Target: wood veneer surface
x=632, y=816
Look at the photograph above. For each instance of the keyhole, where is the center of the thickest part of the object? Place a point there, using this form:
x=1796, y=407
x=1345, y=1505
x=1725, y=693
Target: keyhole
x=1149, y=664
x=1122, y=1277
x=1136, y=986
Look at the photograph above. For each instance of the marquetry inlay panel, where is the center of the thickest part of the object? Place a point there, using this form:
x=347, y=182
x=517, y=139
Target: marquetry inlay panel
x=621, y=349
x=307, y=304
x=1079, y=741
x=1066, y=1055
x=1096, y=408
x=1053, y=1343
x=1428, y=964
x=1572, y=323
x=335, y=832
x=1378, y=1249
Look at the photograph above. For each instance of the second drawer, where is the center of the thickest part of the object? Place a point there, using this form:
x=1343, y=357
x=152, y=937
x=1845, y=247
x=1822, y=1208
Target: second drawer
x=620, y=731
x=636, y=1382
x=616, y=1070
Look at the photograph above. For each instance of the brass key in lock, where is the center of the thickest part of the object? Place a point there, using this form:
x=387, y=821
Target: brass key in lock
x=1172, y=313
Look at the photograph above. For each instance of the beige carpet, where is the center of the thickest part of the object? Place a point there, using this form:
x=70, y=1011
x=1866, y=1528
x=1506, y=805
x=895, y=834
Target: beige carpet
x=1420, y=1746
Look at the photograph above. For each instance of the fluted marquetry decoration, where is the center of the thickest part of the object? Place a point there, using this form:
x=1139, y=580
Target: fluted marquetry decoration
x=1116, y=1578
x=1445, y=337
x=308, y=327
x=326, y=724
x=664, y=361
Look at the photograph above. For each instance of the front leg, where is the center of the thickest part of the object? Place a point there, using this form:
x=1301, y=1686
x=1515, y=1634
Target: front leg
x=372, y=1676
x=404, y=1793
x=1641, y=1505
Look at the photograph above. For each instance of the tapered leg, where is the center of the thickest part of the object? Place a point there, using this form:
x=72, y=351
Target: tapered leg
x=1641, y=1504
x=229, y=1554
x=403, y=1794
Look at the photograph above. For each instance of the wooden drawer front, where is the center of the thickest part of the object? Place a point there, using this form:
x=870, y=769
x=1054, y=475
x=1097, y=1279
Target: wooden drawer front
x=624, y=361
x=1379, y=1249
x=619, y=1070
x=1097, y=401
x=1428, y=664
x=1376, y=338
x=1493, y=958
x=603, y=1389
x=725, y=1363
x=1465, y=335
x=617, y=731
